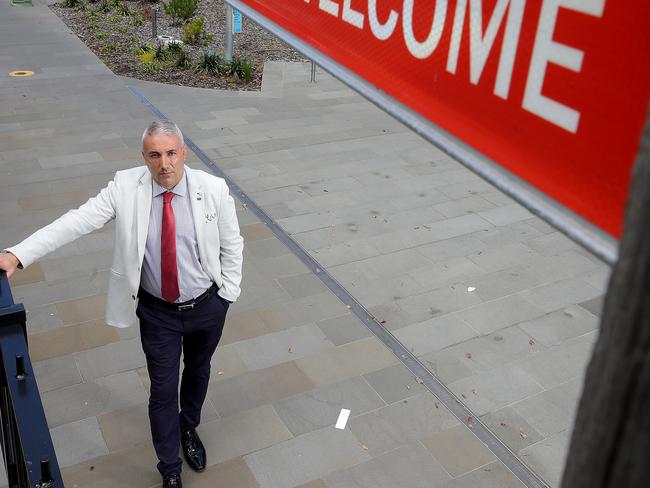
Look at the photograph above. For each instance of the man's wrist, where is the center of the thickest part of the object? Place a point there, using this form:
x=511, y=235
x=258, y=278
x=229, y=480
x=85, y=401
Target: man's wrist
x=13, y=257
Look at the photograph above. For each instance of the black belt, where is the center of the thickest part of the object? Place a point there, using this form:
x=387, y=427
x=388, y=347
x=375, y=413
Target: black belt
x=181, y=307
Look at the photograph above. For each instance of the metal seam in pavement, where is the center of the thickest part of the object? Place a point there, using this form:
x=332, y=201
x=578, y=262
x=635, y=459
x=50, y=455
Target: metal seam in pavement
x=431, y=381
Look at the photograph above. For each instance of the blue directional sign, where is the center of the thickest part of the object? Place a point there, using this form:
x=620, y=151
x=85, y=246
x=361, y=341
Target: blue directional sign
x=237, y=21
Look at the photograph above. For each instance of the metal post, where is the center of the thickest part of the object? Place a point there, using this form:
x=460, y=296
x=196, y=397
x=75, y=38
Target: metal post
x=313, y=73
x=228, y=33
x=154, y=22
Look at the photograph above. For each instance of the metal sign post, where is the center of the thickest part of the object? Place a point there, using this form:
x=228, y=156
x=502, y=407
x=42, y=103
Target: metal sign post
x=228, y=54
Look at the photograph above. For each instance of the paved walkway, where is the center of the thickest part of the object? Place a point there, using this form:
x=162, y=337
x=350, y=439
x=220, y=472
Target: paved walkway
x=502, y=308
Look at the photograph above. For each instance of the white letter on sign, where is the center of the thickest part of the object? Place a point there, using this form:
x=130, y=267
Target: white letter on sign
x=329, y=7
x=481, y=44
x=424, y=49
x=548, y=51
x=381, y=31
x=352, y=16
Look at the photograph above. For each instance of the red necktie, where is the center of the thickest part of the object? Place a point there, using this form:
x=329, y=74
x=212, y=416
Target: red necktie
x=169, y=271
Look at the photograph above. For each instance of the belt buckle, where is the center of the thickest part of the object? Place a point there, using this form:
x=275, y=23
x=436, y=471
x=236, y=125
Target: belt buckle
x=187, y=306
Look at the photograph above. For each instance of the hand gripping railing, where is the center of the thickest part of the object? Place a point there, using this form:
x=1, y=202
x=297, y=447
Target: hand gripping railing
x=29, y=456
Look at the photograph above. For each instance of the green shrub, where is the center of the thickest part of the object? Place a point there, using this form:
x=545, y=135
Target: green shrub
x=93, y=25
x=123, y=10
x=241, y=68
x=122, y=29
x=81, y=6
x=136, y=20
x=151, y=68
x=211, y=62
x=162, y=53
x=110, y=48
x=182, y=59
x=101, y=35
x=146, y=53
x=71, y=3
x=114, y=19
x=194, y=33
x=181, y=9
x=104, y=7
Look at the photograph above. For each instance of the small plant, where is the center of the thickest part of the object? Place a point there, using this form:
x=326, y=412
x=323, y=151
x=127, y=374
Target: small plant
x=146, y=53
x=161, y=53
x=123, y=10
x=151, y=68
x=181, y=9
x=132, y=40
x=110, y=48
x=194, y=33
x=93, y=25
x=211, y=62
x=101, y=35
x=81, y=6
x=183, y=61
x=136, y=20
x=122, y=29
x=71, y=3
x=114, y=19
x=241, y=69
x=104, y=7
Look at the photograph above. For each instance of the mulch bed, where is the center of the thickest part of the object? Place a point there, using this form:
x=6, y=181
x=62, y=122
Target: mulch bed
x=114, y=38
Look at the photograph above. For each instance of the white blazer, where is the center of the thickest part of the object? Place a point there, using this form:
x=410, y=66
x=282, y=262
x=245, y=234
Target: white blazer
x=127, y=199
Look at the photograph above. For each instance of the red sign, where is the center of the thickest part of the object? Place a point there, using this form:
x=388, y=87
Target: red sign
x=556, y=91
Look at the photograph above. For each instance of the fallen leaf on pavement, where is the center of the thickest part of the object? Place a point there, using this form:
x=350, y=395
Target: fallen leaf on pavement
x=522, y=433
x=291, y=349
x=531, y=342
x=468, y=355
x=419, y=380
x=503, y=424
x=364, y=447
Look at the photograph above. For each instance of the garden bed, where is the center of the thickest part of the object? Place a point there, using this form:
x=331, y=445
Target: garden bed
x=120, y=33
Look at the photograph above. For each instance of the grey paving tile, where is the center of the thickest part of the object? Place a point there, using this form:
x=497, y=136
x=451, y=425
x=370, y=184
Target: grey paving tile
x=346, y=361
x=499, y=348
x=246, y=432
x=305, y=458
x=495, y=389
x=458, y=450
x=344, y=329
x=84, y=400
x=394, y=383
x=279, y=347
x=406, y=421
x=556, y=327
x=321, y=407
x=547, y=457
x=551, y=411
x=256, y=388
x=500, y=313
x=78, y=441
x=407, y=466
x=502, y=257
x=55, y=373
x=302, y=285
x=446, y=271
x=556, y=295
x=512, y=428
x=506, y=215
x=595, y=306
x=446, y=366
x=561, y=363
x=433, y=334
x=437, y=302
x=494, y=475
x=112, y=358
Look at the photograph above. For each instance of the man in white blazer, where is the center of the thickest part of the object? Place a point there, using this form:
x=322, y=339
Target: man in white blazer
x=176, y=265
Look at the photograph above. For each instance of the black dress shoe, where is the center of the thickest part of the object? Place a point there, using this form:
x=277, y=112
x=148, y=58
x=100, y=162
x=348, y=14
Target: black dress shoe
x=172, y=481
x=193, y=450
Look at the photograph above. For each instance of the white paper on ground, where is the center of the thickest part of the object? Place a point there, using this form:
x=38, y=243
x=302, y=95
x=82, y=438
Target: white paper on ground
x=343, y=418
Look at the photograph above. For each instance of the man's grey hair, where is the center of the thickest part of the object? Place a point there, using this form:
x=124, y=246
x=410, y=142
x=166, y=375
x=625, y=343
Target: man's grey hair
x=163, y=127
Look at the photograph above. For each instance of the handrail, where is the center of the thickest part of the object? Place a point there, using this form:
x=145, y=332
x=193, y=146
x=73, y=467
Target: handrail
x=27, y=448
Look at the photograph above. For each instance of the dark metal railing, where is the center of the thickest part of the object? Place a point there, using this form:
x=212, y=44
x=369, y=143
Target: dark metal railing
x=29, y=456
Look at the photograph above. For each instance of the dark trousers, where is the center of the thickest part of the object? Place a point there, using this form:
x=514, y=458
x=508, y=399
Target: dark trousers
x=164, y=333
